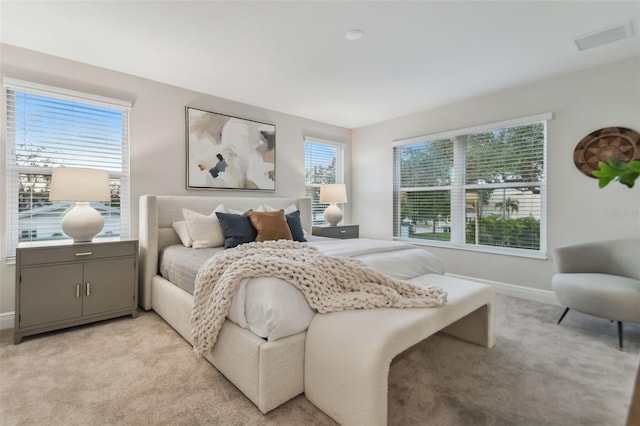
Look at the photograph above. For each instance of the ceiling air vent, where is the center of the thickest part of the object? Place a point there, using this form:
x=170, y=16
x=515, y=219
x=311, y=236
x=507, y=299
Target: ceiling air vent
x=603, y=36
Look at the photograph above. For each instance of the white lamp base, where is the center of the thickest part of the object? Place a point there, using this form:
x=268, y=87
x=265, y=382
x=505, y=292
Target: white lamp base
x=333, y=214
x=82, y=222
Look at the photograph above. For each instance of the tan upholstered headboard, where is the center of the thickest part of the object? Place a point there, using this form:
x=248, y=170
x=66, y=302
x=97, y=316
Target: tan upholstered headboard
x=158, y=212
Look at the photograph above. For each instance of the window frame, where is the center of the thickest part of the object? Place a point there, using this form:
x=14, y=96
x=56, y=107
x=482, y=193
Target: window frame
x=13, y=170
x=340, y=178
x=458, y=188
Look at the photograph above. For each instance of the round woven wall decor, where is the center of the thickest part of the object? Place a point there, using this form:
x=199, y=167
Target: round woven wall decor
x=619, y=143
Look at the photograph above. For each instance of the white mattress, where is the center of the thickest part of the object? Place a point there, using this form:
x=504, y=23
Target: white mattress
x=272, y=308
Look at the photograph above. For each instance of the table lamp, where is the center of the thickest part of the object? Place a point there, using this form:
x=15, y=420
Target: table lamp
x=81, y=185
x=333, y=193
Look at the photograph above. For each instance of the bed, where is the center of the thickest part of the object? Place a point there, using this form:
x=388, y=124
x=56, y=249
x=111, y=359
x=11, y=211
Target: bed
x=270, y=372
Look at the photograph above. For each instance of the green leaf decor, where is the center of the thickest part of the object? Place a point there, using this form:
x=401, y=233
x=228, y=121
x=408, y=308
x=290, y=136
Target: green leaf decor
x=617, y=171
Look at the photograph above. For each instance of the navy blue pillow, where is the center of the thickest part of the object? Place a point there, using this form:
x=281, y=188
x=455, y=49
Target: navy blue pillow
x=237, y=229
x=293, y=220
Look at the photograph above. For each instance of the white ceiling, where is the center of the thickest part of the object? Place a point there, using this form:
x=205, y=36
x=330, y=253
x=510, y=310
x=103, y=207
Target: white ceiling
x=293, y=57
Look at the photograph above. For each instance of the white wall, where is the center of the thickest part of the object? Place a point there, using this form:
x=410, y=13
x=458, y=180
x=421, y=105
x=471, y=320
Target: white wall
x=577, y=210
x=158, y=134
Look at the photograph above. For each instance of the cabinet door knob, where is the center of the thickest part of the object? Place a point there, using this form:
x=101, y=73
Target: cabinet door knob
x=77, y=291
x=88, y=289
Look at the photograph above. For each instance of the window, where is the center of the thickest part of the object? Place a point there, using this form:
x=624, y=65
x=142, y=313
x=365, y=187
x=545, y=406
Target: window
x=481, y=188
x=48, y=127
x=323, y=163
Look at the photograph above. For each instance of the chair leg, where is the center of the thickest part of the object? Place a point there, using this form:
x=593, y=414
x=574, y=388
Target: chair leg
x=563, y=314
x=620, y=333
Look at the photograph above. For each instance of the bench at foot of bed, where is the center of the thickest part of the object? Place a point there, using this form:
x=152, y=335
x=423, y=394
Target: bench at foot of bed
x=348, y=354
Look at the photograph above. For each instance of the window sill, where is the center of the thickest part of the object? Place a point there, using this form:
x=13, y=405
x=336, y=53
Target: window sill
x=531, y=254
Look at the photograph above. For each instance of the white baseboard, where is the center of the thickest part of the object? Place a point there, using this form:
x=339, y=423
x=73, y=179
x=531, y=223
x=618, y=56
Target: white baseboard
x=528, y=293
x=7, y=320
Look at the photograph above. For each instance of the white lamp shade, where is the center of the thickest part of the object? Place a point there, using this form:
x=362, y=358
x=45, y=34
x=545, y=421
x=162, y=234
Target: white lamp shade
x=79, y=184
x=333, y=193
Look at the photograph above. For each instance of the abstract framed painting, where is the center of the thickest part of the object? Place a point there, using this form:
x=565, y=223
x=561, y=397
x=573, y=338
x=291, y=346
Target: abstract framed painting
x=226, y=152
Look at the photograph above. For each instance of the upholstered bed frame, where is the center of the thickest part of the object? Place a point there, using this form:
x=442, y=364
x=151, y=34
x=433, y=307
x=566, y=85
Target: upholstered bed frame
x=268, y=373
x=342, y=361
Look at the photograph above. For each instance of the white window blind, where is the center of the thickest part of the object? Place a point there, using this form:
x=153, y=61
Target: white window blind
x=49, y=127
x=477, y=188
x=323, y=163
x=424, y=188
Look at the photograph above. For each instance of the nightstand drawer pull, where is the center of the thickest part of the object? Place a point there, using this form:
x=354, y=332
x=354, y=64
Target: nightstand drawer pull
x=77, y=291
x=342, y=231
x=88, y=289
x=84, y=253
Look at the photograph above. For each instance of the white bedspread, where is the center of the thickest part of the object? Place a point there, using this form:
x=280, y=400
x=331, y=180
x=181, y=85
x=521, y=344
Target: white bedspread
x=272, y=308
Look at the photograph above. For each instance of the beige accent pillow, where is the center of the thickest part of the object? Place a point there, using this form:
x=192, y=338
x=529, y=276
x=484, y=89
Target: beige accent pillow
x=205, y=230
x=270, y=225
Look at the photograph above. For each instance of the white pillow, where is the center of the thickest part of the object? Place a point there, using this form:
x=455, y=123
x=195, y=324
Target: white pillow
x=231, y=211
x=183, y=232
x=292, y=208
x=205, y=231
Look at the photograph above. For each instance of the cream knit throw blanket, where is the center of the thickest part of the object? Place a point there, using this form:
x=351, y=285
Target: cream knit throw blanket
x=330, y=284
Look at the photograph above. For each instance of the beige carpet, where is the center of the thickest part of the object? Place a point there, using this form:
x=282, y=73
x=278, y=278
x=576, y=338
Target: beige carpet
x=139, y=371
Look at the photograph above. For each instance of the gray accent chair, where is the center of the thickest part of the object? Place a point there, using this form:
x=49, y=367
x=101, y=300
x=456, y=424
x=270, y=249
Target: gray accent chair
x=600, y=279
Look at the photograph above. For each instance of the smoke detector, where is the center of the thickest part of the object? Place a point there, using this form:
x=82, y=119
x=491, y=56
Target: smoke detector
x=354, y=34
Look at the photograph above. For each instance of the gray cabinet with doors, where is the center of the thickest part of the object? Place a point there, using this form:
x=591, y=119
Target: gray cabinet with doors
x=59, y=286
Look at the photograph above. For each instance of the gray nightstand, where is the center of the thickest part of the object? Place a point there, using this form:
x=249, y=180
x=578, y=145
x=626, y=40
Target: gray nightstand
x=343, y=231
x=59, y=286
